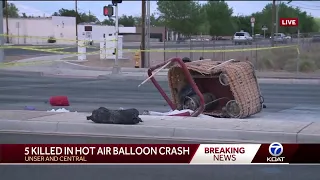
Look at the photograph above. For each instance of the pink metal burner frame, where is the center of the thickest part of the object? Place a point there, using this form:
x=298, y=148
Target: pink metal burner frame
x=188, y=77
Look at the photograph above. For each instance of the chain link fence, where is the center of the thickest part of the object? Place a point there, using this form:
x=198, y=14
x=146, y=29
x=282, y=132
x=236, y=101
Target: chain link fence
x=296, y=53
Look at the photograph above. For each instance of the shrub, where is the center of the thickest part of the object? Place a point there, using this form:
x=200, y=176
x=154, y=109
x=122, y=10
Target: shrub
x=52, y=40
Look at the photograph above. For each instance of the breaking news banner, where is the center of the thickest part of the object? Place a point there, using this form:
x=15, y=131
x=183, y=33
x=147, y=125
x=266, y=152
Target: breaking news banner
x=159, y=153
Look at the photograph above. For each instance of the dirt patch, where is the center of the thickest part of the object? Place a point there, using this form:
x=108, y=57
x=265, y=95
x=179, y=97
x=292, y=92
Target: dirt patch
x=272, y=60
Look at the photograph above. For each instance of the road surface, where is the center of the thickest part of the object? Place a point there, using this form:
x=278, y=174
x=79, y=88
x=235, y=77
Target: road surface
x=164, y=172
x=16, y=92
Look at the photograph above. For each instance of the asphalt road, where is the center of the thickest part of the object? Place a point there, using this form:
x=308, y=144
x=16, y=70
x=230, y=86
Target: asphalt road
x=144, y=172
x=16, y=92
x=19, y=51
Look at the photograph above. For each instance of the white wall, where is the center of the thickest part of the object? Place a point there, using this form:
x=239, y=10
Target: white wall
x=98, y=31
x=41, y=29
x=64, y=28
x=127, y=30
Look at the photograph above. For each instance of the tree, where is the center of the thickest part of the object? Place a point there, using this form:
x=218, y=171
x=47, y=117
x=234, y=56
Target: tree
x=89, y=18
x=219, y=17
x=24, y=15
x=127, y=21
x=156, y=21
x=13, y=11
x=181, y=16
x=306, y=22
x=108, y=22
x=55, y=14
x=137, y=20
x=242, y=23
x=81, y=17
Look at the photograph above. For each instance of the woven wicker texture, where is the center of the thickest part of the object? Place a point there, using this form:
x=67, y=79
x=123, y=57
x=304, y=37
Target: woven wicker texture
x=240, y=76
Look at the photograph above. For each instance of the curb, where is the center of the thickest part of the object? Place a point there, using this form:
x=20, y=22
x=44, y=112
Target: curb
x=149, y=132
x=20, y=73
x=161, y=132
x=144, y=70
x=83, y=67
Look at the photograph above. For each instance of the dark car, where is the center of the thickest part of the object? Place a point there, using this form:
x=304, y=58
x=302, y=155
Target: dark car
x=181, y=40
x=316, y=38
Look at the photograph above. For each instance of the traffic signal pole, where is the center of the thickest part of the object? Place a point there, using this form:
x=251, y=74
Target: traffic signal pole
x=116, y=67
x=1, y=33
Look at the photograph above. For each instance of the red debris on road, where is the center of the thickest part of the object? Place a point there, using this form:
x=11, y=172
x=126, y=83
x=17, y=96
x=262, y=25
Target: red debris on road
x=59, y=101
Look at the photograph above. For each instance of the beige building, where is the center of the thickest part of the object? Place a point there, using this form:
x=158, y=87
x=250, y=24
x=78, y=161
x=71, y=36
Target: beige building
x=156, y=34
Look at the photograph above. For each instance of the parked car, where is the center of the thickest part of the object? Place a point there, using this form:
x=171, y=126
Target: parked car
x=279, y=38
x=316, y=38
x=242, y=38
x=288, y=37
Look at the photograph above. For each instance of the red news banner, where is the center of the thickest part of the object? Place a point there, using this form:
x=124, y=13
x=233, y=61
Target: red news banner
x=159, y=153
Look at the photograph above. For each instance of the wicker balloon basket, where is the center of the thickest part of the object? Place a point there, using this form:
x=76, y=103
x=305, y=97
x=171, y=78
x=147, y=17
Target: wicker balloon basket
x=230, y=89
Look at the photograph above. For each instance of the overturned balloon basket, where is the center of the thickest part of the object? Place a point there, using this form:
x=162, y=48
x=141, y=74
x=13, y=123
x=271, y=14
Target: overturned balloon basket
x=226, y=89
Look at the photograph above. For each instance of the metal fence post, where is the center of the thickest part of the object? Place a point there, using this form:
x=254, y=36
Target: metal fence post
x=214, y=48
x=257, y=64
x=191, y=53
x=203, y=49
x=164, y=50
x=298, y=56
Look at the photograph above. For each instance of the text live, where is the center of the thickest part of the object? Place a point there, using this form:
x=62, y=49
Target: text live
x=289, y=22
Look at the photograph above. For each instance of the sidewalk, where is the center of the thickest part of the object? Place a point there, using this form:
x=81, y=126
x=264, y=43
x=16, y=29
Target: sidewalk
x=255, y=130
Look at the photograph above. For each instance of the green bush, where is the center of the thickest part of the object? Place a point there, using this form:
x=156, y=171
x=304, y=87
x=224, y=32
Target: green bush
x=52, y=40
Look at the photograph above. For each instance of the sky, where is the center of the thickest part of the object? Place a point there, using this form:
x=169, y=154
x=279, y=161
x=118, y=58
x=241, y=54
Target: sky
x=46, y=8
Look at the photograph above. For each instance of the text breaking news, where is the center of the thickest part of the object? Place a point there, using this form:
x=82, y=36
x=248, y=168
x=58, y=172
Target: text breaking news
x=275, y=153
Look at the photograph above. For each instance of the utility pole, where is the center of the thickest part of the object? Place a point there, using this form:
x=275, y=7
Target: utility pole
x=273, y=23
x=7, y=22
x=148, y=34
x=143, y=33
x=76, y=10
x=277, y=17
x=1, y=32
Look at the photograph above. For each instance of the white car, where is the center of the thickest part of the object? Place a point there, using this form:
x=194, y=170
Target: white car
x=288, y=37
x=242, y=38
x=279, y=38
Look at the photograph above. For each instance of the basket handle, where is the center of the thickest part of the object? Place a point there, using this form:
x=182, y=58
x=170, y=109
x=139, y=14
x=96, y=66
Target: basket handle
x=188, y=77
